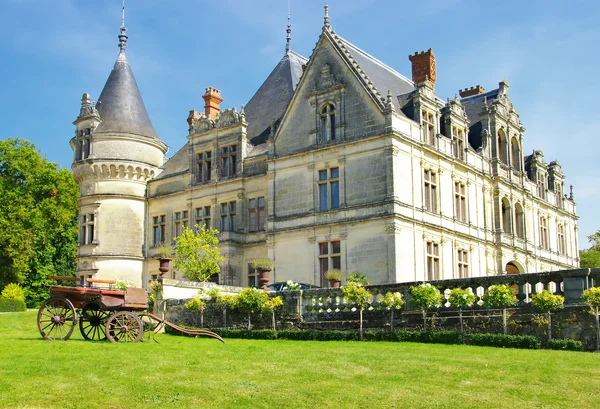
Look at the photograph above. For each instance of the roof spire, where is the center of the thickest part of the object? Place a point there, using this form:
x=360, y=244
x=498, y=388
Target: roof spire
x=326, y=19
x=289, y=31
x=123, y=35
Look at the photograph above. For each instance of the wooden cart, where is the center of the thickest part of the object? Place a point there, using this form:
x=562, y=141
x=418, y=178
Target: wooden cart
x=102, y=313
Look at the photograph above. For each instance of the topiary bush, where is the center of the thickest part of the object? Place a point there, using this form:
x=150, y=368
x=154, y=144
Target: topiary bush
x=565, y=344
x=13, y=291
x=10, y=305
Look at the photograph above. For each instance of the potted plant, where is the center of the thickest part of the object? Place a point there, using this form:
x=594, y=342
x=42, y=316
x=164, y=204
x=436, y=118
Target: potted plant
x=263, y=266
x=335, y=277
x=164, y=255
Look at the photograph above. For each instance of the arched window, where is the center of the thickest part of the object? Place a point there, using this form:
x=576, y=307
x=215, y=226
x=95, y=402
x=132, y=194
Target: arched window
x=519, y=221
x=506, y=216
x=502, y=147
x=328, y=123
x=516, y=153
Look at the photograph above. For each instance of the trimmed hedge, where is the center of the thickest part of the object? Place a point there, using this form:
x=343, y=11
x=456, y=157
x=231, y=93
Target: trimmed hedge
x=565, y=344
x=9, y=305
x=505, y=341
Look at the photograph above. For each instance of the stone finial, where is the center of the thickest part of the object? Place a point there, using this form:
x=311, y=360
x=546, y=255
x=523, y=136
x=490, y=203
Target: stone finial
x=389, y=101
x=86, y=107
x=326, y=18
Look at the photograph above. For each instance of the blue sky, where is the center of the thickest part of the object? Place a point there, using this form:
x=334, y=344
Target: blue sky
x=52, y=51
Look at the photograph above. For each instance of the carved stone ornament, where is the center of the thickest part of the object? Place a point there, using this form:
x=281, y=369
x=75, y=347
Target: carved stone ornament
x=228, y=118
x=202, y=124
x=326, y=78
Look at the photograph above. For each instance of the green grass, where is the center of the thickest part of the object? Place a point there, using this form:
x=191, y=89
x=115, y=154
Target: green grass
x=183, y=372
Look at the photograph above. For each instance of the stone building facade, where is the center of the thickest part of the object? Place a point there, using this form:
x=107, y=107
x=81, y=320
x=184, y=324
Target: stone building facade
x=337, y=161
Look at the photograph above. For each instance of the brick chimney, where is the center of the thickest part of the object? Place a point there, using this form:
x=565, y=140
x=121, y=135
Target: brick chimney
x=468, y=92
x=212, y=101
x=423, y=66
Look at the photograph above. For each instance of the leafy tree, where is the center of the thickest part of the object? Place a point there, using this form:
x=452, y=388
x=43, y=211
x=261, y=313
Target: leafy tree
x=392, y=301
x=547, y=302
x=355, y=293
x=251, y=301
x=271, y=306
x=425, y=297
x=591, y=297
x=197, y=253
x=38, y=219
x=461, y=298
x=196, y=304
x=590, y=258
x=500, y=295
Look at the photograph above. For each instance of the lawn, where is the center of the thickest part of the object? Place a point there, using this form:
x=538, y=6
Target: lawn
x=183, y=372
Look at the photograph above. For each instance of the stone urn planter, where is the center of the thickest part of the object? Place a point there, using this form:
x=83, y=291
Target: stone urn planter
x=264, y=276
x=334, y=277
x=163, y=264
x=335, y=283
x=263, y=267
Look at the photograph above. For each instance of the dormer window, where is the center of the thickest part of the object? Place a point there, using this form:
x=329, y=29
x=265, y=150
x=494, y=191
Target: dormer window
x=428, y=127
x=541, y=186
x=229, y=161
x=458, y=135
x=328, y=123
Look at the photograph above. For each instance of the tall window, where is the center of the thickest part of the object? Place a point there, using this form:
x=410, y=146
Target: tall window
x=203, y=216
x=204, y=166
x=541, y=185
x=256, y=214
x=516, y=153
x=328, y=123
x=561, y=240
x=329, y=189
x=430, y=187
x=83, y=144
x=506, y=216
x=252, y=277
x=180, y=220
x=159, y=228
x=460, y=201
x=544, y=232
x=229, y=161
x=558, y=190
x=428, y=127
x=228, y=216
x=462, y=259
x=519, y=221
x=502, y=147
x=87, y=228
x=433, y=261
x=329, y=257
x=458, y=136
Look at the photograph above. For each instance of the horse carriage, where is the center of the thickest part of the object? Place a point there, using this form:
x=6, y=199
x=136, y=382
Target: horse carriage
x=101, y=313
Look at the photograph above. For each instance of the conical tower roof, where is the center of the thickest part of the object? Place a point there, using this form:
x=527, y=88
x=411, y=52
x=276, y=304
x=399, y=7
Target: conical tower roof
x=120, y=105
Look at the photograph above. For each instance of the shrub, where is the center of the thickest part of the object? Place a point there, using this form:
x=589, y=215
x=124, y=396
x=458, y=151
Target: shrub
x=334, y=275
x=565, y=344
x=461, y=298
x=499, y=295
x=425, y=297
x=358, y=277
x=547, y=302
x=195, y=305
x=392, y=301
x=11, y=305
x=262, y=263
x=122, y=285
x=505, y=341
x=13, y=292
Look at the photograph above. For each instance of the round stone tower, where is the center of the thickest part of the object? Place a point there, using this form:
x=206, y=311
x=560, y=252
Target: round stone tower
x=116, y=152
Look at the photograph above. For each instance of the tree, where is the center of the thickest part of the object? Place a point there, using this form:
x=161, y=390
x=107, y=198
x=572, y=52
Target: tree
x=197, y=253
x=590, y=258
x=425, y=297
x=38, y=219
x=461, y=298
x=355, y=293
x=251, y=301
x=392, y=301
x=270, y=306
x=591, y=297
x=500, y=295
x=547, y=302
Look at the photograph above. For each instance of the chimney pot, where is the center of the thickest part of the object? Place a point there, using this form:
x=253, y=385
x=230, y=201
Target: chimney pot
x=212, y=102
x=423, y=67
x=467, y=92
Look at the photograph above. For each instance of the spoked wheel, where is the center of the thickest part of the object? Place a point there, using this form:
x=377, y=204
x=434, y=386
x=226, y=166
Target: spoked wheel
x=57, y=319
x=92, y=322
x=124, y=326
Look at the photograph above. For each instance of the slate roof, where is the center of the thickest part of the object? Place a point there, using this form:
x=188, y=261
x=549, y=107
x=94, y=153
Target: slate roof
x=473, y=107
x=269, y=103
x=120, y=104
x=383, y=77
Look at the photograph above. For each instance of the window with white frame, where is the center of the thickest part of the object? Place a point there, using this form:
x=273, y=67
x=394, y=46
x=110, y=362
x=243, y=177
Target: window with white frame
x=328, y=123
x=204, y=162
x=228, y=216
x=562, y=245
x=256, y=214
x=428, y=127
x=458, y=135
x=329, y=258
x=203, y=217
x=433, y=261
x=544, y=233
x=159, y=229
x=541, y=185
x=430, y=191
x=460, y=201
x=329, y=189
x=558, y=191
x=229, y=161
x=87, y=223
x=462, y=263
